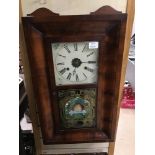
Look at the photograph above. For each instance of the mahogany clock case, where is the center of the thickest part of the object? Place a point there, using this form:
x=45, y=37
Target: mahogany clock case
x=106, y=26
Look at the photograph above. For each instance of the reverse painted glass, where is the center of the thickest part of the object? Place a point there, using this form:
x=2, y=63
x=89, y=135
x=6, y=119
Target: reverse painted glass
x=77, y=108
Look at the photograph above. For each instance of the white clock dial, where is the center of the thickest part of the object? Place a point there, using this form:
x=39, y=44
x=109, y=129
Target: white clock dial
x=75, y=63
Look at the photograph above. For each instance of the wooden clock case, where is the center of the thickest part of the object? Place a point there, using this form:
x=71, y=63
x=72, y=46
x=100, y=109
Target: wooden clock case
x=107, y=26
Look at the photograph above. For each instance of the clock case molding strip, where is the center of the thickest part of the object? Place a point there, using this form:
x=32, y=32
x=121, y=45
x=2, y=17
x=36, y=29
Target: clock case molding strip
x=107, y=26
x=76, y=151
x=76, y=148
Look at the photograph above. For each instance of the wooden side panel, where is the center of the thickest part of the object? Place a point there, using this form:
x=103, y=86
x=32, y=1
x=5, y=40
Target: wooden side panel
x=130, y=11
x=29, y=88
x=40, y=86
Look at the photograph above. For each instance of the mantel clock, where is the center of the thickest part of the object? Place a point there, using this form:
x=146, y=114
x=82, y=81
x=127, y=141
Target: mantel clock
x=75, y=64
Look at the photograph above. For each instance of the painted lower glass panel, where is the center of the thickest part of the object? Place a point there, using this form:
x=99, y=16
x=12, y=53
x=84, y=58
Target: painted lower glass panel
x=77, y=108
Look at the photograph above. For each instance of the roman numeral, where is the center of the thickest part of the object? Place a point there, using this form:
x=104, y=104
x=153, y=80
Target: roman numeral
x=84, y=47
x=77, y=77
x=69, y=76
x=65, y=46
x=89, y=69
x=61, y=63
x=62, y=56
x=91, y=62
x=75, y=47
x=90, y=54
x=85, y=75
x=63, y=71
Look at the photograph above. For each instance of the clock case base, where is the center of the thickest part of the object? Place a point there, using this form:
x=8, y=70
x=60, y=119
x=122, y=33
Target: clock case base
x=107, y=26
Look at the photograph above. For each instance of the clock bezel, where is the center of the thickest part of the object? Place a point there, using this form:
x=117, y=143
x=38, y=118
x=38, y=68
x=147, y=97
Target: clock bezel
x=69, y=38
x=60, y=78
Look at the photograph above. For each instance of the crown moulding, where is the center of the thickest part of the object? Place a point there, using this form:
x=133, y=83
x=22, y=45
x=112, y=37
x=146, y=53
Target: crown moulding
x=105, y=10
x=44, y=12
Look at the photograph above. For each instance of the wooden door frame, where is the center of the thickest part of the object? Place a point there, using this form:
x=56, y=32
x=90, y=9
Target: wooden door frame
x=27, y=78
x=130, y=10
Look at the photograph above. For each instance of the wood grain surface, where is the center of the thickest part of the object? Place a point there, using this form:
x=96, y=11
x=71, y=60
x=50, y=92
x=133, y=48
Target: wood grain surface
x=109, y=30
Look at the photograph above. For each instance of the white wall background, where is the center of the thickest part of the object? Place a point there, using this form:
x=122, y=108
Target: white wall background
x=71, y=7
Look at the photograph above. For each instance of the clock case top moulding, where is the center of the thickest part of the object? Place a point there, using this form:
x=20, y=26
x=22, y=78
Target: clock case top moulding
x=107, y=26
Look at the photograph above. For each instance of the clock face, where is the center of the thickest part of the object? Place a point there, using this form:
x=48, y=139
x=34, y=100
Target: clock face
x=75, y=63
